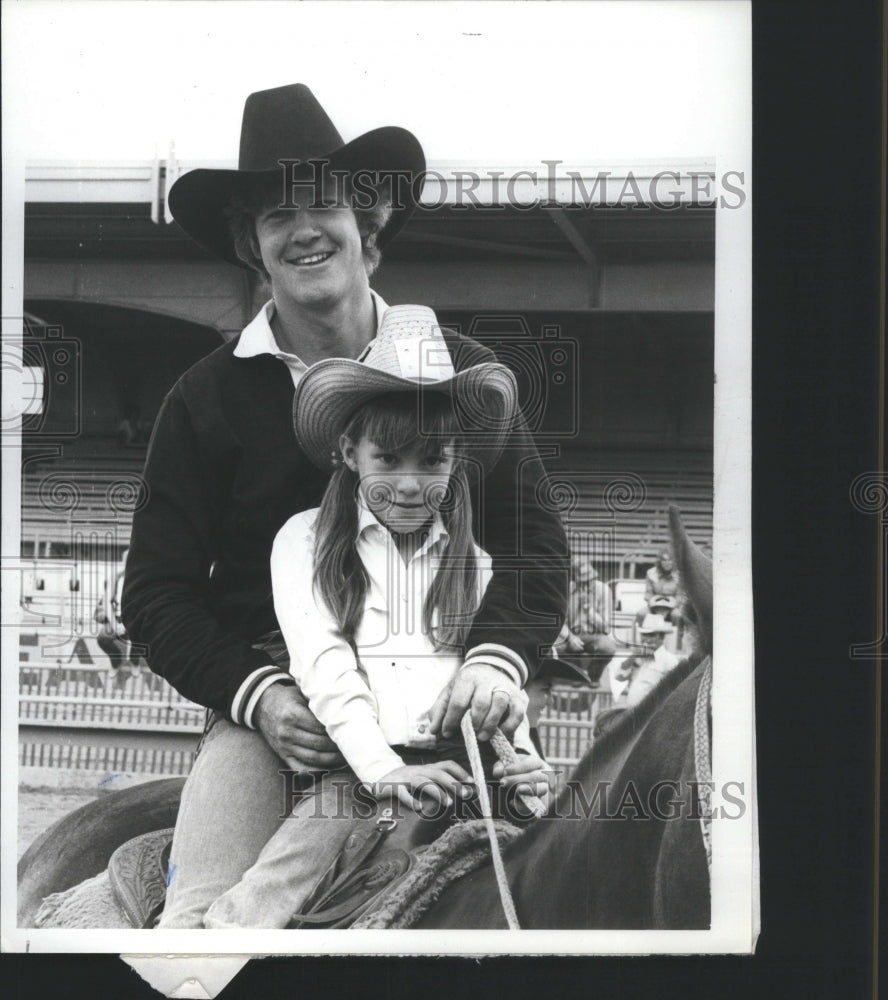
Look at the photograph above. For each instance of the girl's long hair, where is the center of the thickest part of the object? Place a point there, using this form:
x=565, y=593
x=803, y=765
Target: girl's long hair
x=397, y=422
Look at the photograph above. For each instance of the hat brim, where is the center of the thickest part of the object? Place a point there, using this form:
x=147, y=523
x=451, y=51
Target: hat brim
x=563, y=669
x=198, y=199
x=331, y=390
x=656, y=631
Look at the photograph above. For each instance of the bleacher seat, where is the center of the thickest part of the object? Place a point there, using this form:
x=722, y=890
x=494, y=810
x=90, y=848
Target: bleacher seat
x=89, y=493
x=618, y=515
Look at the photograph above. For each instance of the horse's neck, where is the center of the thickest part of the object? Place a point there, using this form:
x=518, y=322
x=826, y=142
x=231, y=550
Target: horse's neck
x=568, y=869
x=606, y=758
x=556, y=860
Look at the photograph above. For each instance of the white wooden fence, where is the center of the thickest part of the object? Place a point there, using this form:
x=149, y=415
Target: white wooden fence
x=77, y=717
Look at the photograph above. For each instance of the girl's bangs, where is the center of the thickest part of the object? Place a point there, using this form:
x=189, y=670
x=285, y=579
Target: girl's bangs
x=401, y=421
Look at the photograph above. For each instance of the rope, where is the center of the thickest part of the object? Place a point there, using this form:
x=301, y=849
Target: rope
x=506, y=753
x=487, y=815
x=703, y=761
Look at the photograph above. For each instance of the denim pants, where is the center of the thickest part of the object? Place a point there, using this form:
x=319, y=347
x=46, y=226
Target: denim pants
x=307, y=843
x=296, y=856
x=234, y=800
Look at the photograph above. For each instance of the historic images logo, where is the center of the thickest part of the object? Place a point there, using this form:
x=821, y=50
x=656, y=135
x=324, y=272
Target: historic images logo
x=313, y=183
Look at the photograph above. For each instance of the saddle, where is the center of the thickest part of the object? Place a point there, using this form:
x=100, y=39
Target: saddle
x=139, y=872
x=380, y=852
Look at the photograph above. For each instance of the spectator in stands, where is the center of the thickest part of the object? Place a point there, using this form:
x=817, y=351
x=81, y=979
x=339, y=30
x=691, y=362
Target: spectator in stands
x=662, y=590
x=646, y=669
x=222, y=476
x=80, y=652
x=539, y=691
x=112, y=637
x=132, y=431
x=585, y=638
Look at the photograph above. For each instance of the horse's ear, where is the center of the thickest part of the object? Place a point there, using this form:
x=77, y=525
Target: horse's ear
x=696, y=572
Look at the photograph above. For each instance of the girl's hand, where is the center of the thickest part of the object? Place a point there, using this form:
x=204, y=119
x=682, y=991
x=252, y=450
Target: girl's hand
x=492, y=697
x=529, y=775
x=413, y=784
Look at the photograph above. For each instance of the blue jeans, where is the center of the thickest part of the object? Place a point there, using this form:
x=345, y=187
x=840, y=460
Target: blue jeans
x=235, y=797
x=233, y=802
x=299, y=852
x=305, y=846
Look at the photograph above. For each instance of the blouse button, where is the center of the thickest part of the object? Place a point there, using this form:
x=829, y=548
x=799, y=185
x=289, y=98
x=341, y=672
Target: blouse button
x=421, y=727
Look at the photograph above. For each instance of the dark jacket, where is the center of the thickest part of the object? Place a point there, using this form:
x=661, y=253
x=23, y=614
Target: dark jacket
x=223, y=474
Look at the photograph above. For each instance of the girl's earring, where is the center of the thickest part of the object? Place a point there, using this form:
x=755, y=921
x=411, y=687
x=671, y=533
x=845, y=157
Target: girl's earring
x=335, y=458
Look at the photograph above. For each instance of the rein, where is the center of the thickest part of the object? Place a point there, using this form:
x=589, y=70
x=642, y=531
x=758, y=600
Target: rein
x=506, y=754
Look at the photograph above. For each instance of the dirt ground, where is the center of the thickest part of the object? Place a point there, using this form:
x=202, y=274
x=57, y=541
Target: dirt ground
x=39, y=808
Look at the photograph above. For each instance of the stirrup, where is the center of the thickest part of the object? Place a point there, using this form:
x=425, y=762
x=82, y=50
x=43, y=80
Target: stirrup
x=137, y=872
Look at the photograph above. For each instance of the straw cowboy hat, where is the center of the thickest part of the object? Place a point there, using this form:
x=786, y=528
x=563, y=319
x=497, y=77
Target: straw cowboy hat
x=655, y=623
x=288, y=123
x=663, y=601
x=409, y=355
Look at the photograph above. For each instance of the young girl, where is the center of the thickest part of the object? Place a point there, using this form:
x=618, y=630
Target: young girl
x=375, y=591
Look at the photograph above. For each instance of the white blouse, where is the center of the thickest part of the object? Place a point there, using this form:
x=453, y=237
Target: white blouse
x=383, y=696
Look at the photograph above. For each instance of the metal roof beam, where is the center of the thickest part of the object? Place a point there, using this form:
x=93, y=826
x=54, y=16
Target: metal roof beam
x=511, y=249
x=576, y=239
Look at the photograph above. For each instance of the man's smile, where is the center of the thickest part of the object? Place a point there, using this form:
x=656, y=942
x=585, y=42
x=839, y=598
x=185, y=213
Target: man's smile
x=308, y=260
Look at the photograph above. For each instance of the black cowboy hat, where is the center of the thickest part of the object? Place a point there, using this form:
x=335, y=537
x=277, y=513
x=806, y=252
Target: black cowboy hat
x=288, y=123
x=560, y=669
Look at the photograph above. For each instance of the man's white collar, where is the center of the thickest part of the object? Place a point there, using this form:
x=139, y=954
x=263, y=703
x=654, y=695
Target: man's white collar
x=257, y=336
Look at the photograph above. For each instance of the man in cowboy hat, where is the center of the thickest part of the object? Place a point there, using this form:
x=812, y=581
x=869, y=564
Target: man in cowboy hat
x=539, y=691
x=310, y=213
x=585, y=634
x=646, y=669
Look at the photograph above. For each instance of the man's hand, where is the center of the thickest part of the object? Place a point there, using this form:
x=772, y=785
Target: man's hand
x=290, y=729
x=412, y=783
x=493, y=698
x=568, y=642
x=575, y=644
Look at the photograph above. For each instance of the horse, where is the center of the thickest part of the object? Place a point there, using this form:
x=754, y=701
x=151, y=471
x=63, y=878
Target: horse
x=624, y=845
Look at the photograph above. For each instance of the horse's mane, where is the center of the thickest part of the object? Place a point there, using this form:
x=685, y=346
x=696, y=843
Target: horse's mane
x=632, y=720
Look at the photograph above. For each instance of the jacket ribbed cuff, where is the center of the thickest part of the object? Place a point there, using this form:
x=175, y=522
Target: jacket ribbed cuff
x=502, y=658
x=247, y=696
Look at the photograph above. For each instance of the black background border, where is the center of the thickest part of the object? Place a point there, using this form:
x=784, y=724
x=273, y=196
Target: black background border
x=817, y=115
